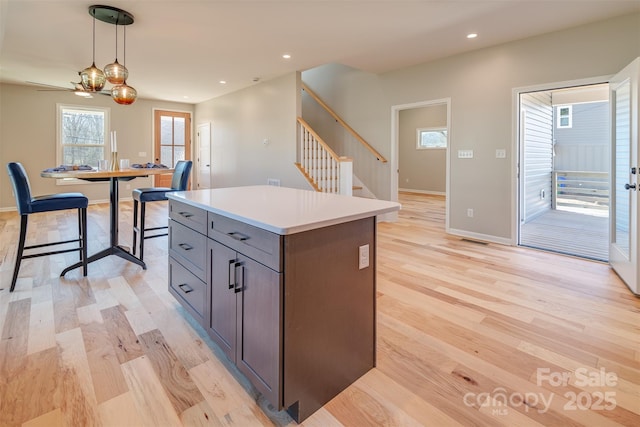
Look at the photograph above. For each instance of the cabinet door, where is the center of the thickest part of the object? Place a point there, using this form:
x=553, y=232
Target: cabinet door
x=222, y=318
x=260, y=327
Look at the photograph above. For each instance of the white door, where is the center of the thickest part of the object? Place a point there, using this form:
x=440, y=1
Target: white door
x=204, y=156
x=623, y=250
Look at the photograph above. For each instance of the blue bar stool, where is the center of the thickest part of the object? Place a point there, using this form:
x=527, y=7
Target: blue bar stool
x=179, y=182
x=28, y=205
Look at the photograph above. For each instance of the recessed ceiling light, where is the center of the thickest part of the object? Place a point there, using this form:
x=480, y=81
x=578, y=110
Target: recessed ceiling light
x=223, y=82
x=472, y=35
x=286, y=56
x=185, y=97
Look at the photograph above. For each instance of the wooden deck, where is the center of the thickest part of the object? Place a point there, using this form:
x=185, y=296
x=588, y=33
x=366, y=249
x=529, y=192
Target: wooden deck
x=571, y=233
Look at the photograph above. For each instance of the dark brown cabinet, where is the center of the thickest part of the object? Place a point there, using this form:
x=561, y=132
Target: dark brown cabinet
x=245, y=319
x=293, y=312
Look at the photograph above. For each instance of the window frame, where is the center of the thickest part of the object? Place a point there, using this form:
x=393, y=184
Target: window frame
x=60, y=109
x=419, y=132
x=560, y=116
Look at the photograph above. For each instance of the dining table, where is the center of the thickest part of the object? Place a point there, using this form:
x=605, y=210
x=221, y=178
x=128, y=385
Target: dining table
x=113, y=176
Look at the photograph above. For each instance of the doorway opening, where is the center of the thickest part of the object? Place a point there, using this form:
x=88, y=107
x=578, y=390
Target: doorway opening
x=565, y=167
x=420, y=154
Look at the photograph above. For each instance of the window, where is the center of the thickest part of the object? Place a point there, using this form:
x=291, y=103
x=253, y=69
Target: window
x=81, y=135
x=431, y=138
x=564, y=116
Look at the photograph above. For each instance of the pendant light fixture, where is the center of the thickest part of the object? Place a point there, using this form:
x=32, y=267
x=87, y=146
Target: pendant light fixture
x=115, y=72
x=123, y=93
x=93, y=78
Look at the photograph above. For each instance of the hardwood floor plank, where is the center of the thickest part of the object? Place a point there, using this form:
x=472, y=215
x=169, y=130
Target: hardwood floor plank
x=152, y=404
x=42, y=329
x=50, y=419
x=231, y=403
x=200, y=415
x=120, y=411
x=78, y=403
x=36, y=375
x=175, y=379
x=123, y=339
x=106, y=375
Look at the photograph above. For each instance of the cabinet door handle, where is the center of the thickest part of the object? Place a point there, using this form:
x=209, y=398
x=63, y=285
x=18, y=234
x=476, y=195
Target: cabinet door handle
x=239, y=287
x=186, y=214
x=238, y=236
x=185, y=246
x=185, y=288
x=232, y=276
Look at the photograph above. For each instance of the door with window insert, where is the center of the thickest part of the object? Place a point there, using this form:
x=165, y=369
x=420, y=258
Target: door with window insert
x=172, y=130
x=623, y=249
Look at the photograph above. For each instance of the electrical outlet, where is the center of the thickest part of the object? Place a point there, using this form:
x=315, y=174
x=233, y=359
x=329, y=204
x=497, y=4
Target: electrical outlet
x=470, y=213
x=363, y=257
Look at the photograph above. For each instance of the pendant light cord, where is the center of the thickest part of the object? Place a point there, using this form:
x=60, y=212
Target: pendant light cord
x=94, y=38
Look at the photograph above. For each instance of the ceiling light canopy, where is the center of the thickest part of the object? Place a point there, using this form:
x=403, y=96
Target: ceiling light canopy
x=93, y=79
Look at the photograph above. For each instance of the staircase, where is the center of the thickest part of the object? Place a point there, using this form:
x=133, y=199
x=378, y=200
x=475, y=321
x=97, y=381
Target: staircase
x=321, y=166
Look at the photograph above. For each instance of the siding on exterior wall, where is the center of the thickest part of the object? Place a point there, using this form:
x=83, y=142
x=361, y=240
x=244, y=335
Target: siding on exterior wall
x=538, y=160
x=584, y=146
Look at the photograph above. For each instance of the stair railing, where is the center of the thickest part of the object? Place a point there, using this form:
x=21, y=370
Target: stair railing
x=344, y=124
x=324, y=169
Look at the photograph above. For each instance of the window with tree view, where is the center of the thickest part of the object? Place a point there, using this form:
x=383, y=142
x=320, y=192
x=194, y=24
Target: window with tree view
x=82, y=135
x=431, y=138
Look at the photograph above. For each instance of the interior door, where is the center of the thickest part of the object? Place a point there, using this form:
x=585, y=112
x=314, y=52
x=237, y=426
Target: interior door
x=204, y=156
x=172, y=131
x=623, y=248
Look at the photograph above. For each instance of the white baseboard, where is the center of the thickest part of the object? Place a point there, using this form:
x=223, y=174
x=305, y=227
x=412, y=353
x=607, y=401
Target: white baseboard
x=479, y=236
x=431, y=193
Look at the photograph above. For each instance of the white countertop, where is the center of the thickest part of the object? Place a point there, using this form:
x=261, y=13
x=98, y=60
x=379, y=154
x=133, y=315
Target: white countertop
x=284, y=210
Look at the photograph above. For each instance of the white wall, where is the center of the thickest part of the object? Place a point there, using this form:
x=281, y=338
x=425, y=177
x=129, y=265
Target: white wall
x=28, y=135
x=240, y=122
x=480, y=85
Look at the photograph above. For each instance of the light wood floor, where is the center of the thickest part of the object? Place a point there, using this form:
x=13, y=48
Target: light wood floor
x=462, y=326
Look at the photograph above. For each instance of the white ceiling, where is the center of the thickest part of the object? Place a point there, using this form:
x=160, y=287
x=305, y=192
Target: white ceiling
x=179, y=50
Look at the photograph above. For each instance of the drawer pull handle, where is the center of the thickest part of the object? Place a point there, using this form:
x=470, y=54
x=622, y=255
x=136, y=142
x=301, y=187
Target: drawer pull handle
x=185, y=246
x=239, y=285
x=238, y=236
x=186, y=214
x=232, y=276
x=185, y=288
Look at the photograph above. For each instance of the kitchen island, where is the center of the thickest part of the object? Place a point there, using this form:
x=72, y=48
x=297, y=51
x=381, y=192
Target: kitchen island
x=284, y=282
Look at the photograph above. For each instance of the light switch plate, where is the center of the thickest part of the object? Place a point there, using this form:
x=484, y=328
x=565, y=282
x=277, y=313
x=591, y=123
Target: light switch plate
x=465, y=154
x=501, y=153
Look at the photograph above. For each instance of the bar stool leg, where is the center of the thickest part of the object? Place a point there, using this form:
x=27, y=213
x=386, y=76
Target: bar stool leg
x=23, y=236
x=142, y=213
x=83, y=240
x=135, y=224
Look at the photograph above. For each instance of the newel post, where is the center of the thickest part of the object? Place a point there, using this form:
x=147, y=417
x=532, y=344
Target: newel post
x=345, y=176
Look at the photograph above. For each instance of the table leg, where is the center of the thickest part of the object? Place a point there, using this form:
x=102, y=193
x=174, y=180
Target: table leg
x=114, y=249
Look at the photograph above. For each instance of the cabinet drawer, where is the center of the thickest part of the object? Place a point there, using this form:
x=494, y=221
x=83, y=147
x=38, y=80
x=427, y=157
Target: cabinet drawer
x=261, y=245
x=188, y=215
x=190, y=245
x=187, y=288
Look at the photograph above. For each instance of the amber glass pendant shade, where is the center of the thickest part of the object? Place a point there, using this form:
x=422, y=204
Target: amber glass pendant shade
x=92, y=78
x=124, y=94
x=116, y=73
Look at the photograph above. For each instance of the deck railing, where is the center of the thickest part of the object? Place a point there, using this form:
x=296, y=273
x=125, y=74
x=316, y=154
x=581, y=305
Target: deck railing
x=585, y=190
